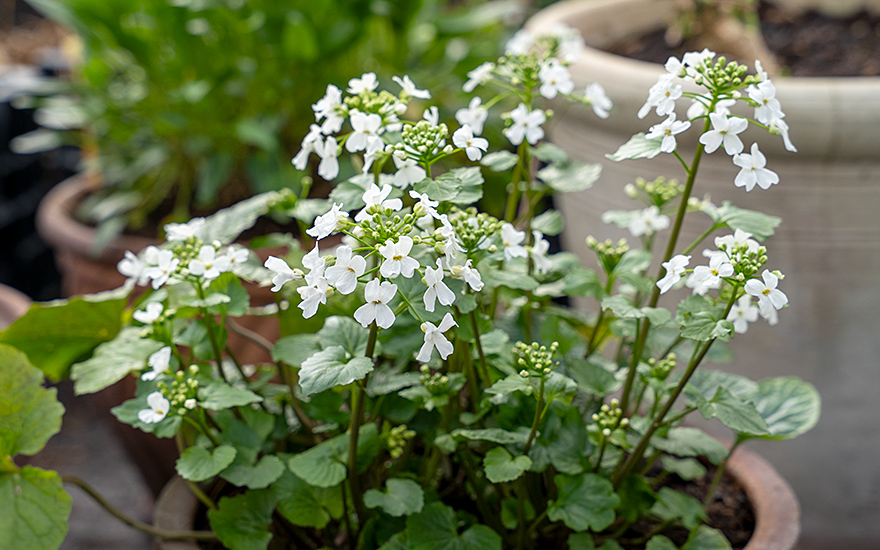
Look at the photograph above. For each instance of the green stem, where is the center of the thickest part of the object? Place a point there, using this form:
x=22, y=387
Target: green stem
x=358, y=396
x=196, y=490
x=539, y=414
x=719, y=472
x=164, y=534
x=484, y=367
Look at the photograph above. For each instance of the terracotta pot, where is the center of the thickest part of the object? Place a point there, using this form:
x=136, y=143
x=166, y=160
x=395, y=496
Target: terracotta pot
x=777, y=513
x=13, y=304
x=828, y=243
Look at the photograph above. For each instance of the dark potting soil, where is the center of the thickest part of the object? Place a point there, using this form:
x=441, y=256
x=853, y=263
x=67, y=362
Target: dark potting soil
x=805, y=44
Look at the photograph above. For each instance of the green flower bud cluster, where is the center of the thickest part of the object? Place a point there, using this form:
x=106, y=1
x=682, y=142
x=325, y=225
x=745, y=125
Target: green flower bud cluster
x=609, y=418
x=181, y=393
x=521, y=70
x=723, y=76
x=535, y=359
x=745, y=263
x=396, y=439
x=384, y=224
x=370, y=102
x=436, y=383
x=472, y=227
x=657, y=192
x=609, y=253
x=424, y=142
x=661, y=369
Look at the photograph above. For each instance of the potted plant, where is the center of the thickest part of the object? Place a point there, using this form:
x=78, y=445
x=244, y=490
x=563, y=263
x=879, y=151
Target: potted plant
x=830, y=120
x=428, y=391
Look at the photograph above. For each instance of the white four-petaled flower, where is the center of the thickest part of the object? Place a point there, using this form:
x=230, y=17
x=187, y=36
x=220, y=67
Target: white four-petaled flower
x=185, y=231
x=328, y=108
x=314, y=293
x=511, y=238
x=437, y=289
x=525, y=125
x=408, y=172
x=158, y=363
x=648, y=221
x=668, y=129
x=753, y=171
x=725, y=132
x=474, y=146
x=377, y=197
x=709, y=277
x=434, y=338
x=555, y=79
x=159, y=407
x=675, y=268
x=343, y=275
x=328, y=223
x=165, y=266
x=329, y=165
x=473, y=115
x=208, y=265
x=397, y=258
x=662, y=96
x=742, y=313
x=365, y=131
x=539, y=253
x=367, y=82
x=409, y=88
x=282, y=271
x=377, y=296
x=770, y=298
x=478, y=76
x=599, y=100
x=150, y=314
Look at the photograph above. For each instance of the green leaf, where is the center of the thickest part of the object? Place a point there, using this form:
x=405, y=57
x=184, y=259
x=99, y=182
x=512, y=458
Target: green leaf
x=672, y=505
x=252, y=131
x=788, y=405
x=547, y=152
x=735, y=413
x=494, y=342
x=346, y=333
x=444, y=188
x=690, y=442
x=638, y=147
x=29, y=413
x=229, y=285
x=227, y=224
x=198, y=464
x=622, y=307
x=127, y=413
x=401, y=497
x=506, y=386
x=330, y=368
x=351, y=193
x=261, y=475
x=495, y=435
x=703, y=326
x=295, y=349
x=305, y=505
x=54, y=335
x=593, y=378
x=242, y=522
x=499, y=161
x=326, y=464
x=219, y=395
x=686, y=468
x=517, y=281
x=584, y=502
x=636, y=496
x=760, y=225
x=548, y=223
x=35, y=509
x=471, y=185
x=706, y=538
x=436, y=528
x=659, y=542
x=113, y=360
x=501, y=467
x=575, y=176
x=707, y=381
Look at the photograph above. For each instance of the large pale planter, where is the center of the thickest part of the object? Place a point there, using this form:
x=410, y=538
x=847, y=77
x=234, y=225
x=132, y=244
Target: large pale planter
x=828, y=244
x=777, y=514
x=13, y=304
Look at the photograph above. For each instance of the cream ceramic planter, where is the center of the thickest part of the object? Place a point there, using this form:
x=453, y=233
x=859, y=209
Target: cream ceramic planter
x=829, y=244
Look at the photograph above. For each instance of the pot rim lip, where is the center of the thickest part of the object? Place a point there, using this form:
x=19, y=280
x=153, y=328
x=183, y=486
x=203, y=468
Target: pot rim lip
x=12, y=302
x=562, y=11
x=776, y=508
x=60, y=228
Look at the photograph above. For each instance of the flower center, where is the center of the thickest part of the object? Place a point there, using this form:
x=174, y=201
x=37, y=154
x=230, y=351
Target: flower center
x=397, y=257
x=765, y=292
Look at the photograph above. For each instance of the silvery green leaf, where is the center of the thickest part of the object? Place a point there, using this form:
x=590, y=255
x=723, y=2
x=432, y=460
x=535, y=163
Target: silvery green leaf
x=330, y=368
x=344, y=332
x=689, y=442
x=401, y=497
x=548, y=223
x=227, y=224
x=547, y=152
x=495, y=435
x=35, y=509
x=760, y=225
x=499, y=161
x=113, y=360
x=219, y=395
x=788, y=405
x=638, y=147
x=737, y=414
x=575, y=176
x=471, y=185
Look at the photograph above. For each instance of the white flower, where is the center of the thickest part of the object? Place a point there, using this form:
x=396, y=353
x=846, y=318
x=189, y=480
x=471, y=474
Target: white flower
x=184, y=231
x=282, y=271
x=410, y=89
x=555, y=79
x=328, y=223
x=397, y=259
x=724, y=131
x=328, y=151
x=473, y=115
x=150, y=314
x=770, y=298
x=432, y=115
x=343, y=275
x=675, y=268
x=688, y=64
x=313, y=294
x=525, y=125
x=753, y=170
x=779, y=126
x=158, y=363
x=314, y=136
x=668, y=129
x=709, y=277
x=662, y=96
x=376, y=197
x=237, y=256
x=165, y=266
x=520, y=43
x=132, y=267
x=768, y=109
x=571, y=43
x=408, y=172
x=208, y=265
x=731, y=243
x=314, y=262
x=434, y=338
x=366, y=129
x=699, y=108
x=539, y=253
x=760, y=73
x=425, y=203
x=742, y=313
x=376, y=309
x=159, y=407
x=599, y=101
x=437, y=289
x=328, y=107
x=451, y=245
x=478, y=76
x=511, y=238
x=367, y=82
x=470, y=275
x=473, y=146
x=374, y=147
x=648, y=221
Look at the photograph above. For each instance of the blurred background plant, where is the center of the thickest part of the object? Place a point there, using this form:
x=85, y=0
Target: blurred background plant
x=186, y=106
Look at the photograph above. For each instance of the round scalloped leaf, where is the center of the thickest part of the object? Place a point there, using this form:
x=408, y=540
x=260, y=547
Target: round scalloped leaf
x=35, y=509
x=789, y=406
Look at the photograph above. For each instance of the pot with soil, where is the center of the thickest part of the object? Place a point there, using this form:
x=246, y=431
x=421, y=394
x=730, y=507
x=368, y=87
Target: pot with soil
x=829, y=196
x=13, y=304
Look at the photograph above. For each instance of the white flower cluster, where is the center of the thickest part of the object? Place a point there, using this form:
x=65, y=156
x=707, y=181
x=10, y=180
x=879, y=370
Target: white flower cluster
x=725, y=127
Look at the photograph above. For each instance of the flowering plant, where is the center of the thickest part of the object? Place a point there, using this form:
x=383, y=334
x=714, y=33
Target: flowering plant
x=430, y=389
